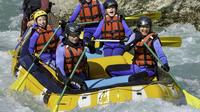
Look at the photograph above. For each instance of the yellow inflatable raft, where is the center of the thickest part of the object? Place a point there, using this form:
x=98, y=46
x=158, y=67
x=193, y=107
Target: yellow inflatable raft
x=102, y=89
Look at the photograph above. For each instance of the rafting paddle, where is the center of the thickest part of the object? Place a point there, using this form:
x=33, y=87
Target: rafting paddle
x=19, y=44
x=167, y=41
x=152, y=15
x=190, y=99
x=15, y=53
x=105, y=40
x=171, y=41
x=70, y=77
x=19, y=85
x=24, y=38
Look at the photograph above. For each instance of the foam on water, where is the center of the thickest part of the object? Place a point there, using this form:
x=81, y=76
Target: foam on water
x=189, y=52
x=15, y=23
x=185, y=61
x=12, y=101
x=8, y=40
x=149, y=105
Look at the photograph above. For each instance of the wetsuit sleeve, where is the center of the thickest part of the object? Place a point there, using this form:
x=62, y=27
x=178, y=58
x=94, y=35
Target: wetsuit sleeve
x=131, y=39
x=127, y=30
x=75, y=13
x=102, y=9
x=159, y=51
x=97, y=33
x=61, y=37
x=32, y=42
x=58, y=33
x=60, y=58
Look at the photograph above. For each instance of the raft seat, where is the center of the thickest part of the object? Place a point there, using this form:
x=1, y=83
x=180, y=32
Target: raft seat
x=97, y=66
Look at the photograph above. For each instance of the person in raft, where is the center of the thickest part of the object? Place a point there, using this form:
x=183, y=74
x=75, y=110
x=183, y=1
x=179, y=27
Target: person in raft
x=67, y=55
x=144, y=65
x=28, y=7
x=43, y=32
x=88, y=11
x=112, y=27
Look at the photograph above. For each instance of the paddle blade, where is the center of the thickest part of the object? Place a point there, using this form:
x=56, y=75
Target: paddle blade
x=171, y=41
x=152, y=15
x=15, y=86
x=192, y=100
x=11, y=52
x=20, y=83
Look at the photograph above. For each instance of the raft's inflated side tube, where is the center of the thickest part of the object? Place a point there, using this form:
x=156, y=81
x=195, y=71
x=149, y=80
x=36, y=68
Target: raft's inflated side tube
x=100, y=91
x=20, y=51
x=41, y=74
x=24, y=49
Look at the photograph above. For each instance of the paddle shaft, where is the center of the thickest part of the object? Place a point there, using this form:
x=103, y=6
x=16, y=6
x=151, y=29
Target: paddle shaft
x=153, y=15
x=70, y=77
x=85, y=23
x=49, y=40
x=26, y=75
x=161, y=63
x=170, y=41
x=190, y=99
x=103, y=40
x=27, y=34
